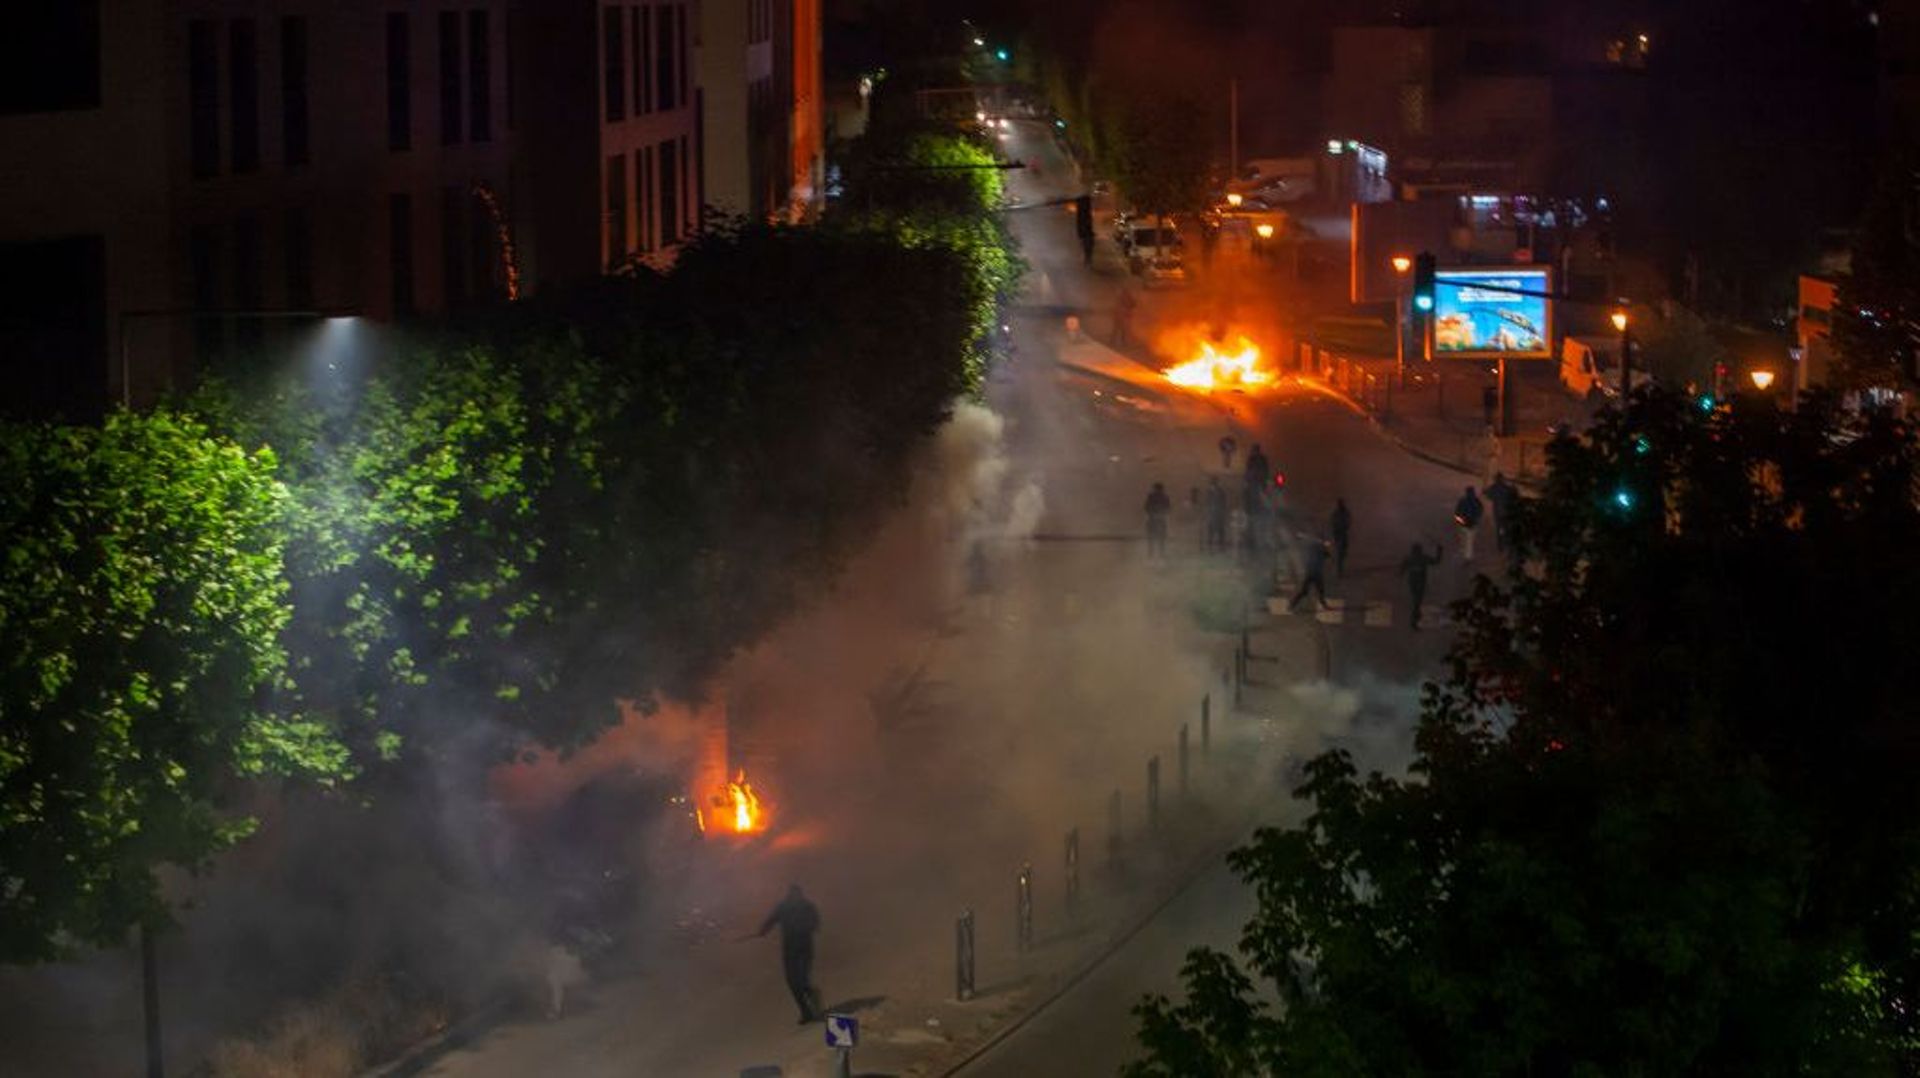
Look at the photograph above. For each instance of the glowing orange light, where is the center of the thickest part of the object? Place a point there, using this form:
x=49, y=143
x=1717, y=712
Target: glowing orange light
x=1761, y=379
x=1265, y=230
x=1213, y=368
x=1619, y=318
x=1401, y=263
x=737, y=808
x=1234, y=198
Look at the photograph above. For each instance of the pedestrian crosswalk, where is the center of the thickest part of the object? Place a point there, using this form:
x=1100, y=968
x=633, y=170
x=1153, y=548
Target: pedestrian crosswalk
x=1362, y=613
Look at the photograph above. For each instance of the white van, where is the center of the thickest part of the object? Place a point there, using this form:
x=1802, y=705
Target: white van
x=1590, y=365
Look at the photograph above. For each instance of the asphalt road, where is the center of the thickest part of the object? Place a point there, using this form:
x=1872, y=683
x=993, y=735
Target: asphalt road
x=1326, y=451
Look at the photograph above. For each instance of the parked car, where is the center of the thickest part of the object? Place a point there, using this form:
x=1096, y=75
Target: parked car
x=1155, y=252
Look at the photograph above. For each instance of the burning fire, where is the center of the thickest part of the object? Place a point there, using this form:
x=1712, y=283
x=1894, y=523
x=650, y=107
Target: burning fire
x=1215, y=368
x=736, y=808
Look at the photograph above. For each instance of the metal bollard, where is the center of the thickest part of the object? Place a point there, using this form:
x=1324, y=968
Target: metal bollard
x=1073, y=871
x=963, y=956
x=1113, y=830
x=1023, y=909
x=1206, y=723
x=1183, y=760
x=1153, y=794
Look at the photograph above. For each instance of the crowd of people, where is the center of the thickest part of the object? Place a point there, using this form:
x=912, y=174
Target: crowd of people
x=1257, y=523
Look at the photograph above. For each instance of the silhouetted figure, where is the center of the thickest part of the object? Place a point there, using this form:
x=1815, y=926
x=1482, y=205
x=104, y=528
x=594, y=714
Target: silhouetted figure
x=1259, y=472
x=1314, y=575
x=1341, y=528
x=1500, y=498
x=1414, y=567
x=798, y=919
x=1157, y=507
x=1466, y=518
x=1123, y=317
x=1227, y=448
x=1216, y=515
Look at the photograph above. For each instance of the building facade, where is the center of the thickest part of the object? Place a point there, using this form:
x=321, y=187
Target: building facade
x=763, y=111
x=181, y=176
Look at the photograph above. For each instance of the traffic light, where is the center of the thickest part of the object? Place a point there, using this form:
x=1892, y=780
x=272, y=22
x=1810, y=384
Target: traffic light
x=1423, y=282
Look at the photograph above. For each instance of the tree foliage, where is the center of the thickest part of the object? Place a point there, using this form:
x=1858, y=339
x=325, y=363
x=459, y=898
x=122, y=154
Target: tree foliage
x=1156, y=147
x=142, y=599
x=1661, y=818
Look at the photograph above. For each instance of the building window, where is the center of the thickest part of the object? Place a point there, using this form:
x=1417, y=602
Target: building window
x=664, y=79
x=293, y=90
x=449, y=77
x=643, y=59
x=669, y=197
x=616, y=209
x=685, y=189
x=513, y=46
x=400, y=251
x=479, y=77
x=203, y=254
x=243, y=71
x=399, y=82
x=248, y=266
x=298, y=252
x=203, y=98
x=480, y=250
x=680, y=51
x=453, y=246
x=635, y=46
x=50, y=57
x=643, y=166
x=614, y=64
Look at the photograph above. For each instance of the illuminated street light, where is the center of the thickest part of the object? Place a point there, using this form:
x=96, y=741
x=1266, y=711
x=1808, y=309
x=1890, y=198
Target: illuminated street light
x=979, y=41
x=1619, y=317
x=1401, y=264
x=1621, y=322
x=1762, y=378
x=1234, y=198
x=1264, y=230
x=1000, y=54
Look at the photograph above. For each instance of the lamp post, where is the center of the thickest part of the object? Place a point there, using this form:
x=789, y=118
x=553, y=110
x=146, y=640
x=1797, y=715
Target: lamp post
x=1762, y=378
x=1401, y=265
x=127, y=318
x=1621, y=322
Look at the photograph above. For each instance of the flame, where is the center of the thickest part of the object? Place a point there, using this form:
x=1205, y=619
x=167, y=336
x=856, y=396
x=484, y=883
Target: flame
x=1215, y=369
x=737, y=808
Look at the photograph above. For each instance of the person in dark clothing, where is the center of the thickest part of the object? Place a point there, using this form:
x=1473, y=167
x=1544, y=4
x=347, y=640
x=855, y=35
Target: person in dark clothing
x=1314, y=574
x=1157, y=507
x=1341, y=528
x=1500, y=497
x=1414, y=567
x=1466, y=518
x=1216, y=515
x=798, y=919
x=1227, y=448
x=1259, y=473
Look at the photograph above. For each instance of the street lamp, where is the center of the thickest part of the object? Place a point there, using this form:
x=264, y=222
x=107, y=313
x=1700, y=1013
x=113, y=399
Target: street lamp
x=1621, y=322
x=1264, y=230
x=1762, y=378
x=1401, y=265
x=1234, y=198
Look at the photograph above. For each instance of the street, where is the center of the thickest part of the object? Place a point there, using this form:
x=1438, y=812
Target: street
x=956, y=796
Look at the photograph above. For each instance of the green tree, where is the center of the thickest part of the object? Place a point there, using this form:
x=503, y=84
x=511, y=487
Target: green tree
x=1156, y=146
x=142, y=597
x=1661, y=818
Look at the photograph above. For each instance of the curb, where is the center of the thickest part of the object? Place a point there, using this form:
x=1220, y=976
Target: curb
x=1402, y=444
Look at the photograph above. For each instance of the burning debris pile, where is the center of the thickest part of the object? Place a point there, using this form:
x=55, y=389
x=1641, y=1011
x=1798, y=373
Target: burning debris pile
x=735, y=809
x=1221, y=365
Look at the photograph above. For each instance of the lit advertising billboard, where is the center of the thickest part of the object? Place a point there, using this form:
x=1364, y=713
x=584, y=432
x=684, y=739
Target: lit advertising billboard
x=1481, y=312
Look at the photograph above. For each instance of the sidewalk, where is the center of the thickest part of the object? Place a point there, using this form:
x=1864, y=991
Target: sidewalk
x=1438, y=413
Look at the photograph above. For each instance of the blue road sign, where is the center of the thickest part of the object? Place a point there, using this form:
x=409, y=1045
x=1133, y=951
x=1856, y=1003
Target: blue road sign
x=843, y=1031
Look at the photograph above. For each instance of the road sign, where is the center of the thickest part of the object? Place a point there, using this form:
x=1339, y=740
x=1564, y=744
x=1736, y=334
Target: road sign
x=843, y=1031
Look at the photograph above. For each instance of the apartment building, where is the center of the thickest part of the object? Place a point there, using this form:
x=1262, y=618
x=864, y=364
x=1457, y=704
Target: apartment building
x=763, y=113
x=180, y=176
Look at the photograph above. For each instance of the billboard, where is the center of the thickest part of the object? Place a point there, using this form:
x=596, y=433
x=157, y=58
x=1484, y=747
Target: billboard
x=1480, y=312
